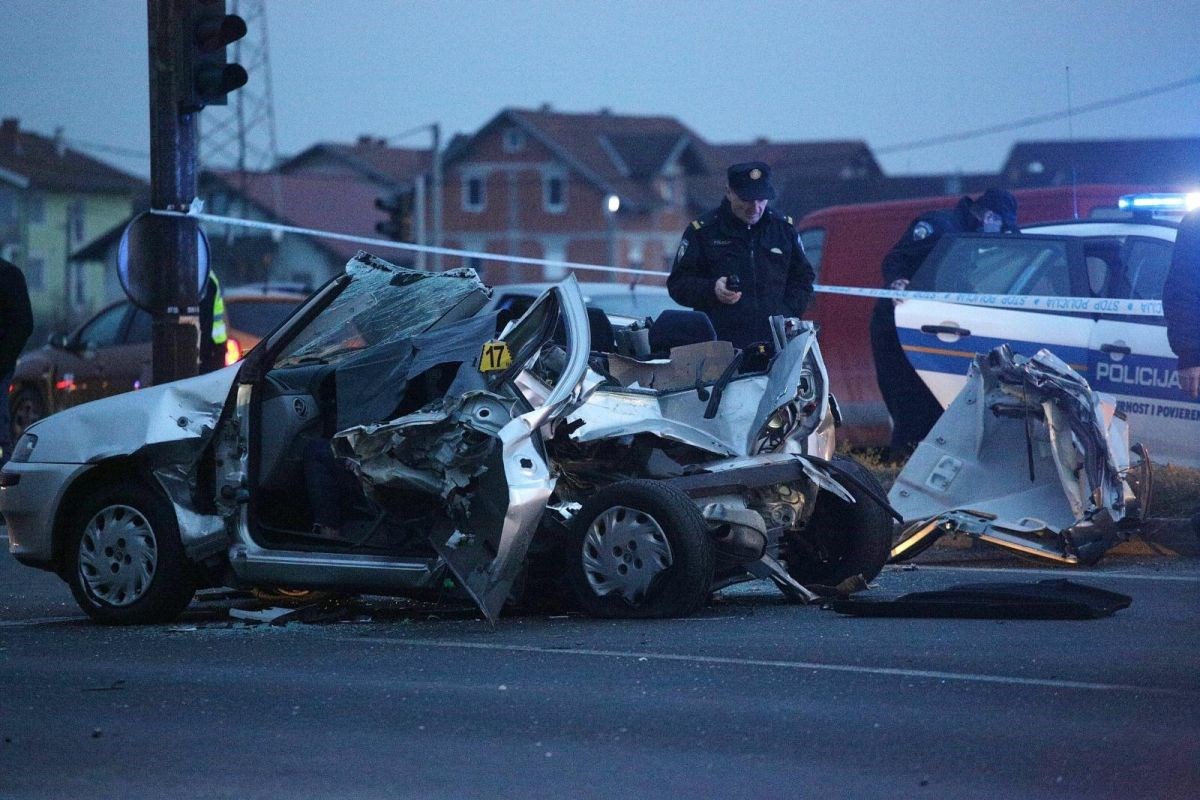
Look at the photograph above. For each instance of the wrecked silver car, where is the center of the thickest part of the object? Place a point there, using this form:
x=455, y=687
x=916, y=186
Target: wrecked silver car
x=1025, y=434
x=498, y=458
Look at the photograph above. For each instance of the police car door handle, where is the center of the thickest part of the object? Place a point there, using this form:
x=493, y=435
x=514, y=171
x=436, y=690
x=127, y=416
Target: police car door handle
x=953, y=330
x=1116, y=348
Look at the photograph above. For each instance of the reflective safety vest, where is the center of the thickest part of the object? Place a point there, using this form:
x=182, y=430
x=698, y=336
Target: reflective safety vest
x=219, y=333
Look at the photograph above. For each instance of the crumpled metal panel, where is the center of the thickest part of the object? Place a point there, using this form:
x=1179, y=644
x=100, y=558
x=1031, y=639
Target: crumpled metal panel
x=1025, y=450
x=451, y=452
x=126, y=423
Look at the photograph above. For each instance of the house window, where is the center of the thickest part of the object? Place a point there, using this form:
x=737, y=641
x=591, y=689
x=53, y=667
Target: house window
x=76, y=215
x=514, y=140
x=474, y=194
x=35, y=273
x=554, y=193
x=554, y=251
x=35, y=208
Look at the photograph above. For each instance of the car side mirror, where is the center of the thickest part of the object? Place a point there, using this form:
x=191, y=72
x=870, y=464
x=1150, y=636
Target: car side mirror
x=58, y=341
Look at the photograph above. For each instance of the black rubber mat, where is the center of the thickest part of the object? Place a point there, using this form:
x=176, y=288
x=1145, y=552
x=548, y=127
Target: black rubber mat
x=1050, y=599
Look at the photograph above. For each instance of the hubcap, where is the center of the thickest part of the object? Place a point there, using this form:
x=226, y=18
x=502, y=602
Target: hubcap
x=118, y=555
x=624, y=550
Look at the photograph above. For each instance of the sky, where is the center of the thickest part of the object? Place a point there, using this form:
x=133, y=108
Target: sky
x=888, y=72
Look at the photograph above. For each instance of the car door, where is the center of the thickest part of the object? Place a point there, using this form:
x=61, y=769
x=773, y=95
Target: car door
x=1131, y=359
x=127, y=364
x=82, y=367
x=941, y=338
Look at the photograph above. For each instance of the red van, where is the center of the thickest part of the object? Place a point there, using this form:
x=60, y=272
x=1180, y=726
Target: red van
x=846, y=245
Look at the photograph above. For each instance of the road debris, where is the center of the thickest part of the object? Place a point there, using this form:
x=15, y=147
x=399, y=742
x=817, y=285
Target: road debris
x=1027, y=458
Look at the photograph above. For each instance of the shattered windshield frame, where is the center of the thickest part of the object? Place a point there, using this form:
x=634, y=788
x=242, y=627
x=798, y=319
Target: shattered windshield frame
x=381, y=304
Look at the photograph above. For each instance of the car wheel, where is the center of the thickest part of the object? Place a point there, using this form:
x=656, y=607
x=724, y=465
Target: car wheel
x=639, y=549
x=842, y=539
x=124, y=561
x=26, y=407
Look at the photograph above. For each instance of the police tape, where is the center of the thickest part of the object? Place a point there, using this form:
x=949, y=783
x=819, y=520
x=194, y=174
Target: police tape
x=1052, y=303
x=1016, y=302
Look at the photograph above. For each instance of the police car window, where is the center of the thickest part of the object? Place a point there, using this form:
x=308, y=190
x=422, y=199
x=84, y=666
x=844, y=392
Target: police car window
x=999, y=265
x=1146, y=262
x=813, y=240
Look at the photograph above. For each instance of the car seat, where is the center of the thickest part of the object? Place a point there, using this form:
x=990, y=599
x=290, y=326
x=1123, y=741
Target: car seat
x=677, y=328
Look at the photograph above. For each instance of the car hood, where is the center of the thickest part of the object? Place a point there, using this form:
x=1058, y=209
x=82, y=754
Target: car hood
x=125, y=423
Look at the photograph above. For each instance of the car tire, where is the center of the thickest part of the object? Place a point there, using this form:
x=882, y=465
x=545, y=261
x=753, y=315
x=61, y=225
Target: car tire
x=843, y=539
x=639, y=549
x=26, y=407
x=124, y=560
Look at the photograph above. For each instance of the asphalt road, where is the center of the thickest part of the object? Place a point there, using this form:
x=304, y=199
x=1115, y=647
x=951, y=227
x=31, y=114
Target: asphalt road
x=752, y=697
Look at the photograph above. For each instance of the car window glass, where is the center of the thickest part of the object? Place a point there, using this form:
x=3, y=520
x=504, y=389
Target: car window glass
x=379, y=306
x=140, y=328
x=813, y=240
x=1146, y=262
x=258, y=316
x=105, y=329
x=1000, y=265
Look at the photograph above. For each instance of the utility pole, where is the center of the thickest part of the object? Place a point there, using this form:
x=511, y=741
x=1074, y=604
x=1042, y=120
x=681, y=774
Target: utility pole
x=187, y=41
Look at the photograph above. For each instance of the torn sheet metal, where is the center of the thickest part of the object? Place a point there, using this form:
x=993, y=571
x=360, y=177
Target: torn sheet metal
x=677, y=399
x=125, y=423
x=1027, y=457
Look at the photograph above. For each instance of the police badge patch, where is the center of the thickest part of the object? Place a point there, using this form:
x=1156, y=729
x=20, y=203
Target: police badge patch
x=921, y=230
x=682, y=249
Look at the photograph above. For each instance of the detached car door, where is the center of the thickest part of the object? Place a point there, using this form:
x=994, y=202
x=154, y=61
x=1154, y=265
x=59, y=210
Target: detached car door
x=940, y=338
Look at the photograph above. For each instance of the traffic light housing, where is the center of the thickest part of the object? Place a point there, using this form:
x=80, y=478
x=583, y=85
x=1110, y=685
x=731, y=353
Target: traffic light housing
x=399, y=224
x=205, y=74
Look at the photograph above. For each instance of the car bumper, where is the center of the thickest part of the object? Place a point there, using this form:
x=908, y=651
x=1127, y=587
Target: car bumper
x=30, y=495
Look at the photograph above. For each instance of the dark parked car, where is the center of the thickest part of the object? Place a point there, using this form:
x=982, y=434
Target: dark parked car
x=110, y=353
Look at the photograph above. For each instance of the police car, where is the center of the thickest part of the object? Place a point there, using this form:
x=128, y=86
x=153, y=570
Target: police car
x=1081, y=289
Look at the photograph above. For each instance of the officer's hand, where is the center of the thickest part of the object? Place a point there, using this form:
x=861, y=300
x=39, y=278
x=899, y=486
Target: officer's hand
x=1189, y=381
x=898, y=285
x=723, y=294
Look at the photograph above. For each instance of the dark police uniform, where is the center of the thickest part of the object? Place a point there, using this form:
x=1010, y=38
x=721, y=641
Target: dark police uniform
x=16, y=325
x=911, y=405
x=1181, y=294
x=767, y=257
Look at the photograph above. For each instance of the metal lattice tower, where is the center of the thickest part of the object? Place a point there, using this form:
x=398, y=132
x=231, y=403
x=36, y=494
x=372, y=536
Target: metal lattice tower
x=241, y=136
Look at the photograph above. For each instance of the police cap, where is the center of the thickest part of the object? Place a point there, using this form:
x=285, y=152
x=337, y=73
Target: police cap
x=751, y=180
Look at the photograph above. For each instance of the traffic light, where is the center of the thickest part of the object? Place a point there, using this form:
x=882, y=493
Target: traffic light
x=206, y=76
x=399, y=224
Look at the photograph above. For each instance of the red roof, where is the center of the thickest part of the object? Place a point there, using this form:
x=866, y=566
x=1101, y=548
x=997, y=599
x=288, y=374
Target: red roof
x=50, y=165
x=308, y=200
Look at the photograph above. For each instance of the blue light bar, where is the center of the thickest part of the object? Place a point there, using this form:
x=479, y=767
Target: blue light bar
x=1178, y=202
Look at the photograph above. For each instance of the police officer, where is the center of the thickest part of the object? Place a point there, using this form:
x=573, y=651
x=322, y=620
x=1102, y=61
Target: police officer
x=1181, y=303
x=213, y=333
x=911, y=405
x=742, y=262
x=16, y=325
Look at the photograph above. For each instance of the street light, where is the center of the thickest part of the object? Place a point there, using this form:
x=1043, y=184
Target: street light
x=612, y=204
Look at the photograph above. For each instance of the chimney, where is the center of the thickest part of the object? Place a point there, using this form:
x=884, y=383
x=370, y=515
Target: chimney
x=545, y=108
x=60, y=146
x=11, y=125
x=606, y=112
x=762, y=140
